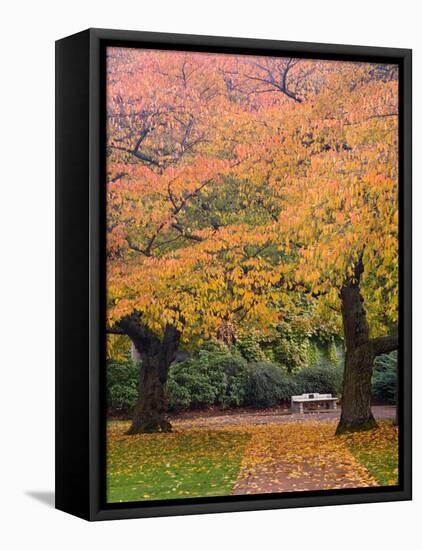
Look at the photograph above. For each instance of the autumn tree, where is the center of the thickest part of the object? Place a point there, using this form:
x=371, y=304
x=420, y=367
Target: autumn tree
x=330, y=164
x=183, y=263
x=235, y=183
x=155, y=122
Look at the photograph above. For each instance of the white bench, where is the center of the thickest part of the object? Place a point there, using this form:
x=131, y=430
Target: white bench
x=298, y=401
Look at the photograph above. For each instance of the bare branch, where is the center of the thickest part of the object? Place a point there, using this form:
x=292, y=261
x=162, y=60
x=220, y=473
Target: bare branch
x=117, y=177
x=184, y=233
x=280, y=83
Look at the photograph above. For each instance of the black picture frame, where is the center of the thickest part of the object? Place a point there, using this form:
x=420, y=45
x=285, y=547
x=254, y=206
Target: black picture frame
x=80, y=274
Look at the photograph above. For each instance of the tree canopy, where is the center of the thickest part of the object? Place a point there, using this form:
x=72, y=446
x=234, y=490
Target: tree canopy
x=226, y=185
x=242, y=189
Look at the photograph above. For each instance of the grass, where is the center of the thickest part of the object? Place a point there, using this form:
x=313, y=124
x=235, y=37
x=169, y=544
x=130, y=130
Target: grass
x=176, y=465
x=201, y=462
x=377, y=450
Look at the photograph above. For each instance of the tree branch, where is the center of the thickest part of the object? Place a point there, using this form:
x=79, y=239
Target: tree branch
x=136, y=154
x=272, y=81
x=384, y=344
x=115, y=330
x=185, y=234
x=117, y=177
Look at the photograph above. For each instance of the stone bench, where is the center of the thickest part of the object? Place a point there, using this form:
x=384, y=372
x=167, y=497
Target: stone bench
x=298, y=402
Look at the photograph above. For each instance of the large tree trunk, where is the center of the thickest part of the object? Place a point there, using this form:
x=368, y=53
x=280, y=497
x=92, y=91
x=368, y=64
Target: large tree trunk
x=150, y=407
x=156, y=357
x=356, y=413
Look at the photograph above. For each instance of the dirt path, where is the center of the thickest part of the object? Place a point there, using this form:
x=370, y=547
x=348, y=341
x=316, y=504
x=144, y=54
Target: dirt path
x=251, y=417
x=301, y=456
x=289, y=452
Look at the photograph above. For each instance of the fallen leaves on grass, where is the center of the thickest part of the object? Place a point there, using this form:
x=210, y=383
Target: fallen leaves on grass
x=205, y=459
x=299, y=456
x=183, y=464
x=377, y=450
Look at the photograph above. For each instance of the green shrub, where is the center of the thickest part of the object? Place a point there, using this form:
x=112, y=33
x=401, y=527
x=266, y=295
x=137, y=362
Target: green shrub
x=122, y=381
x=268, y=385
x=182, y=383
x=331, y=353
x=214, y=376
x=250, y=348
x=384, y=378
x=313, y=354
x=289, y=349
x=218, y=375
x=291, y=352
x=319, y=379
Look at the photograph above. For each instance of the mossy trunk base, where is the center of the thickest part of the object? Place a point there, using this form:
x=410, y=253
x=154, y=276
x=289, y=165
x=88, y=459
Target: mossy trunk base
x=357, y=425
x=149, y=425
x=156, y=356
x=149, y=412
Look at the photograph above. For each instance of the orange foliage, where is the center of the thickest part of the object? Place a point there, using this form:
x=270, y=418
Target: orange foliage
x=233, y=180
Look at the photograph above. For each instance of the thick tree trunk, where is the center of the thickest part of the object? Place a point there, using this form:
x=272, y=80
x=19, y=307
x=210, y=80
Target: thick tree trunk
x=156, y=357
x=356, y=413
x=150, y=407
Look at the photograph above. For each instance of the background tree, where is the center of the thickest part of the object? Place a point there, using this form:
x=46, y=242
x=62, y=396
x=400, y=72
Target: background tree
x=331, y=165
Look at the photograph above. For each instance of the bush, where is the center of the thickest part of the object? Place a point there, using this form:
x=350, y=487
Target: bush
x=188, y=387
x=249, y=347
x=384, y=378
x=214, y=376
x=313, y=354
x=122, y=381
x=292, y=352
x=323, y=378
x=218, y=375
x=268, y=385
x=331, y=353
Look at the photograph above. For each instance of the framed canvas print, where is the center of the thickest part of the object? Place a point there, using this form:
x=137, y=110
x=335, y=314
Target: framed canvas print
x=233, y=274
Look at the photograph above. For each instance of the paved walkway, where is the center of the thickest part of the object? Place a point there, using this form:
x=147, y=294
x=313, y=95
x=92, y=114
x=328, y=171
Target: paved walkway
x=253, y=417
x=304, y=456
x=289, y=452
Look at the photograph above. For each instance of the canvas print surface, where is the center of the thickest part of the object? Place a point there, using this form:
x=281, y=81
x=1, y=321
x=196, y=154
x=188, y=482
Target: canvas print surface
x=252, y=275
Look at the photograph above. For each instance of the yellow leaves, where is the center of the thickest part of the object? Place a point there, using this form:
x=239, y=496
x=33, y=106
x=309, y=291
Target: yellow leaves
x=340, y=217
x=174, y=465
x=314, y=181
x=378, y=450
x=117, y=347
x=216, y=455
x=304, y=456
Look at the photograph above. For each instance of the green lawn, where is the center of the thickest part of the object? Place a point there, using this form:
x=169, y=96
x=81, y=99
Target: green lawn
x=175, y=465
x=206, y=462
x=377, y=450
